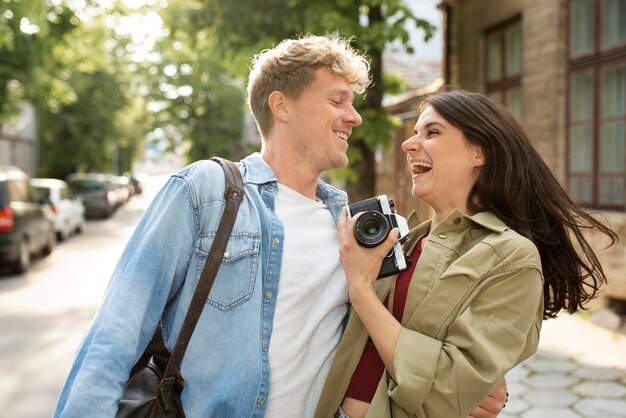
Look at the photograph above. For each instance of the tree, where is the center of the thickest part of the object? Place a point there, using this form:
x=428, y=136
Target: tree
x=373, y=24
x=82, y=135
x=81, y=132
x=29, y=29
x=194, y=97
x=73, y=68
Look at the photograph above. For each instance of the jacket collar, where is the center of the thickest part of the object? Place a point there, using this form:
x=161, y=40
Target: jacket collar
x=486, y=220
x=257, y=171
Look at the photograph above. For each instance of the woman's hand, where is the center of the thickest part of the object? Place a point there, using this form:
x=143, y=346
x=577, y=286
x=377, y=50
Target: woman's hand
x=361, y=264
x=492, y=405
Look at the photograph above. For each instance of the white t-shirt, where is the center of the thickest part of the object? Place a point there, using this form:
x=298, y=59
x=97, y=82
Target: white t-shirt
x=311, y=305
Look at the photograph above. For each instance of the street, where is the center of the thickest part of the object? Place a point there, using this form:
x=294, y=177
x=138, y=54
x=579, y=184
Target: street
x=46, y=311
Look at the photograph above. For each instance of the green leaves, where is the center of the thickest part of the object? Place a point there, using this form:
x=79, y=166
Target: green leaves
x=241, y=28
x=99, y=87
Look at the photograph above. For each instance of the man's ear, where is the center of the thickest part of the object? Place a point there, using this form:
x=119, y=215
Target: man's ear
x=278, y=105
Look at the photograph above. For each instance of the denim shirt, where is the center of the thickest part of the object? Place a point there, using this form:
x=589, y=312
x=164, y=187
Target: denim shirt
x=225, y=367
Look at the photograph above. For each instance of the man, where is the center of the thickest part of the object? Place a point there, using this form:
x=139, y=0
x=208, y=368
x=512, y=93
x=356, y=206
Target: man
x=272, y=322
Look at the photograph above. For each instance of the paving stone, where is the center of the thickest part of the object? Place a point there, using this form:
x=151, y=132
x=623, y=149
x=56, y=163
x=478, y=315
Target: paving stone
x=517, y=373
x=606, y=318
x=550, y=381
x=551, y=398
x=544, y=355
x=517, y=389
x=540, y=365
x=515, y=406
x=508, y=414
x=596, y=373
x=601, y=390
x=601, y=407
x=604, y=358
x=551, y=413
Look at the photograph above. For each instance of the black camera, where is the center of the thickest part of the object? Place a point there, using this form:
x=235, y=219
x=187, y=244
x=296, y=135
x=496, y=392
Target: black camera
x=373, y=227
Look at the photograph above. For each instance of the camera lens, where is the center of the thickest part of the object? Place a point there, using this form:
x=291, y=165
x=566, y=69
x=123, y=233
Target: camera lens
x=371, y=229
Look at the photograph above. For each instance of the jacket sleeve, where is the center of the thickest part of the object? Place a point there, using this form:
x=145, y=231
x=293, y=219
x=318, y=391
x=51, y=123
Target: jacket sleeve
x=151, y=269
x=498, y=329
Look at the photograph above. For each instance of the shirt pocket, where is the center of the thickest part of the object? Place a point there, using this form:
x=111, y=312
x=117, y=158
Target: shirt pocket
x=443, y=296
x=236, y=277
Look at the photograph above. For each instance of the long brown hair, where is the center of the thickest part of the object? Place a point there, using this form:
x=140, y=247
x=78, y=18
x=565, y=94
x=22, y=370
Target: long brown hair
x=517, y=186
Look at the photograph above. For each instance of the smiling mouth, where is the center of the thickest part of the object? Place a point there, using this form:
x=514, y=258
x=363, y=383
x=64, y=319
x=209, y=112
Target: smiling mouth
x=420, y=167
x=342, y=135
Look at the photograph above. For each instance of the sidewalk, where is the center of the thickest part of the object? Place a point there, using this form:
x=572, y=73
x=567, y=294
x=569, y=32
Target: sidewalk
x=579, y=371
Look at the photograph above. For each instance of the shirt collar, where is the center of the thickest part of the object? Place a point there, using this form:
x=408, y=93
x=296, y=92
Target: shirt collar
x=486, y=220
x=257, y=171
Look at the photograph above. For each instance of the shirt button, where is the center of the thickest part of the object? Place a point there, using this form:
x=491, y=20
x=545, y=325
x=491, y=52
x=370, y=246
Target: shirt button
x=226, y=254
x=457, y=221
x=442, y=235
x=276, y=241
x=265, y=348
x=268, y=295
x=260, y=401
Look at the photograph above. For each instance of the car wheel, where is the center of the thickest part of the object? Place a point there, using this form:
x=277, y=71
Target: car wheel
x=23, y=260
x=50, y=243
x=81, y=226
x=64, y=233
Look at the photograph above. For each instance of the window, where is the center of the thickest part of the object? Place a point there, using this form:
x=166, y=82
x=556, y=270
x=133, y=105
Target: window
x=66, y=194
x=613, y=22
x=504, y=65
x=18, y=191
x=597, y=103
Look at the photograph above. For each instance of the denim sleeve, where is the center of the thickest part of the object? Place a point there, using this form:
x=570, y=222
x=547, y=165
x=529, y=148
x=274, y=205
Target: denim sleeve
x=151, y=269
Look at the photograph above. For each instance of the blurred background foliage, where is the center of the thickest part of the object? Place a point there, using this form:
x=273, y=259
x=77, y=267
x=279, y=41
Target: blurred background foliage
x=109, y=76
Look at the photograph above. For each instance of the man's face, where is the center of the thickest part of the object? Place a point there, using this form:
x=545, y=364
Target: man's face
x=321, y=121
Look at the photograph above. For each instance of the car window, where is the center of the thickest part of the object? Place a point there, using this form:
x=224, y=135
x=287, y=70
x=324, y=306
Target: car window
x=37, y=195
x=86, y=185
x=41, y=193
x=3, y=193
x=65, y=193
x=18, y=191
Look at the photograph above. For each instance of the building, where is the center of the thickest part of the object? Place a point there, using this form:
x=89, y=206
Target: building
x=560, y=67
x=18, y=141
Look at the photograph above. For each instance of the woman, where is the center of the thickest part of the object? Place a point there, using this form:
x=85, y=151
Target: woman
x=496, y=258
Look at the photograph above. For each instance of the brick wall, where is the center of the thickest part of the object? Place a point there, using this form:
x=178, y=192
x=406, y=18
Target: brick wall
x=614, y=259
x=18, y=140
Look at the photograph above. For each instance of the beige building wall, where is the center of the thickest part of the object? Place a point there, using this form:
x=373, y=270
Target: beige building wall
x=544, y=80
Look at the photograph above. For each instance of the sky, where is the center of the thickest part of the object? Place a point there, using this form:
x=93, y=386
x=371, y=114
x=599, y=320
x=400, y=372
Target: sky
x=431, y=50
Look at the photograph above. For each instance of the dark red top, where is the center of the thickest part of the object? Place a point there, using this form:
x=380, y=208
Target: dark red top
x=370, y=368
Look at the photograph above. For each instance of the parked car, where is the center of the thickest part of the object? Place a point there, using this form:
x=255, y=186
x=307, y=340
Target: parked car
x=97, y=192
x=137, y=184
x=68, y=211
x=25, y=229
x=122, y=187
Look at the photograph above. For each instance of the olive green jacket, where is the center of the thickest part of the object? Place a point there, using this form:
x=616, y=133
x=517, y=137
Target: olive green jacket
x=473, y=311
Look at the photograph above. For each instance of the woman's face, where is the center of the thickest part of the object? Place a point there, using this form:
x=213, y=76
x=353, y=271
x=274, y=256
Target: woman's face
x=444, y=164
